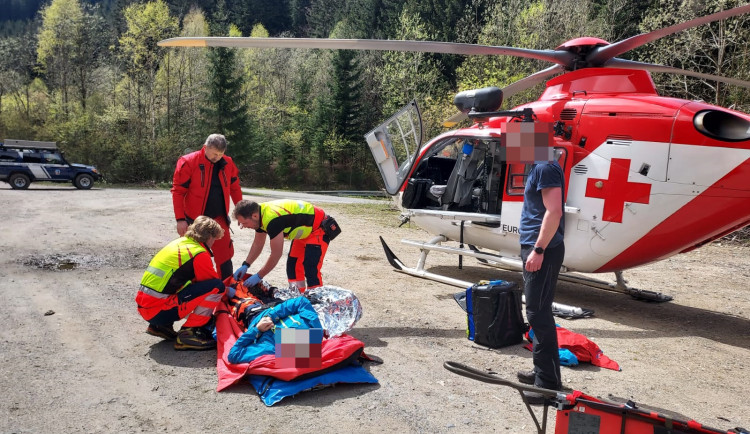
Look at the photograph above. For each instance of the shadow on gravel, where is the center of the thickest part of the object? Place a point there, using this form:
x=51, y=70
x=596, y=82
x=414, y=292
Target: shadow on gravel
x=164, y=353
x=650, y=319
x=373, y=336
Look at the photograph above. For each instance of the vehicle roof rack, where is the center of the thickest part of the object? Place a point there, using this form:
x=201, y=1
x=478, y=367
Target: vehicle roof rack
x=29, y=144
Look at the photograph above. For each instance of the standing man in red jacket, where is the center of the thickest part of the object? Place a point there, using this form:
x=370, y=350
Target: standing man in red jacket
x=203, y=182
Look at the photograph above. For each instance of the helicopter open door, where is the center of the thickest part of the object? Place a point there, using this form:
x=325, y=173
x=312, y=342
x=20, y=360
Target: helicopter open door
x=396, y=140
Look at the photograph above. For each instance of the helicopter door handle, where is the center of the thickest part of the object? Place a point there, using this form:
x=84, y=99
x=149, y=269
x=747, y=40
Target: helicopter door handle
x=598, y=234
x=579, y=91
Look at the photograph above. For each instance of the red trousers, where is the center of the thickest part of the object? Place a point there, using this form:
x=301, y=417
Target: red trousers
x=306, y=258
x=196, y=301
x=223, y=249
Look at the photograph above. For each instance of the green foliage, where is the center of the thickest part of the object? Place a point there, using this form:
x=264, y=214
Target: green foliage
x=147, y=24
x=407, y=76
x=718, y=48
x=59, y=42
x=225, y=108
x=540, y=25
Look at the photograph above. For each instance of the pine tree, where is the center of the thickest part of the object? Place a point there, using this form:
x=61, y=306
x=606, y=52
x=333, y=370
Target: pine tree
x=225, y=110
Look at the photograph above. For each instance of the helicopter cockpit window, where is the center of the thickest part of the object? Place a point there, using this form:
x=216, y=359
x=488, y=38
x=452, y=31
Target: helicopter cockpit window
x=517, y=178
x=518, y=173
x=451, y=149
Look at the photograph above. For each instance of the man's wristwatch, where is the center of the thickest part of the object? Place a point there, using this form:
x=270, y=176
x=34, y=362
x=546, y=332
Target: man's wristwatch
x=539, y=250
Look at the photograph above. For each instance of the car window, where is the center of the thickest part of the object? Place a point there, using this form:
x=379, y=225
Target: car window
x=9, y=156
x=53, y=158
x=32, y=157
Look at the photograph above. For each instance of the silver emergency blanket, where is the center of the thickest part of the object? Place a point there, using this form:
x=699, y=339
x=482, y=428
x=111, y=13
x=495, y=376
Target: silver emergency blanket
x=338, y=309
x=286, y=293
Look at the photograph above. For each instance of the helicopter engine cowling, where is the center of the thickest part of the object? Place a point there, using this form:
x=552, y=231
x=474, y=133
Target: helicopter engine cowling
x=722, y=125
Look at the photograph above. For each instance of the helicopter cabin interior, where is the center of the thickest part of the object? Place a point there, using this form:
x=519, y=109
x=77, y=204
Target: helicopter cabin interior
x=458, y=174
x=467, y=174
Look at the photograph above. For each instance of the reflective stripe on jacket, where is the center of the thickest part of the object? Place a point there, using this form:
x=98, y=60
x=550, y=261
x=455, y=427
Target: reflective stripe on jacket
x=295, y=218
x=174, y=256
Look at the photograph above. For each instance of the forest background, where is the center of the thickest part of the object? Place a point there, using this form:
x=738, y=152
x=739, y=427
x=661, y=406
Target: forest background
x=89, y=75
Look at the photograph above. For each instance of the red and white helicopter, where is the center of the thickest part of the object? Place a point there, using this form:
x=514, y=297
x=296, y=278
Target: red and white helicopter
x=647, y=176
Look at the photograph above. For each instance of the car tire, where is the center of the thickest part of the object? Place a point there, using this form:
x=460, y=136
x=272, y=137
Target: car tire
x=83, y=181
x=19, y=181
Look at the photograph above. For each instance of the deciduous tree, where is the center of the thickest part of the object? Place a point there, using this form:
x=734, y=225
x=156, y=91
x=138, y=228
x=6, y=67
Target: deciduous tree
x=62, y=24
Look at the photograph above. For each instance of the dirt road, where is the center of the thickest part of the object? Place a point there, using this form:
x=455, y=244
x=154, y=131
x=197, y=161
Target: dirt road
x=75, y=357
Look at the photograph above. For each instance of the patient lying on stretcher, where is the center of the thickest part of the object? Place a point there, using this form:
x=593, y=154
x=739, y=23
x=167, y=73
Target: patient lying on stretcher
x=260, y=311
x=260, y=337
x=251, y=323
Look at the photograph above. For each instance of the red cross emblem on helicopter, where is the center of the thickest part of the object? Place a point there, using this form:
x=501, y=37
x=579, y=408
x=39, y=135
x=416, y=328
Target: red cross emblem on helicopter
x=617, y=190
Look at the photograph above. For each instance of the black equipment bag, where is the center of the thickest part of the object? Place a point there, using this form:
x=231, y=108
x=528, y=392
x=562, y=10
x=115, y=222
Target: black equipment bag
x=330, y=227
x=494, y=314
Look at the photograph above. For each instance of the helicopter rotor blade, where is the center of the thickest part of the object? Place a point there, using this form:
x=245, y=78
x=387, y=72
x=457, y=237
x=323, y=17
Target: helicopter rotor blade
x=531, y=80
x=555, y=56
x=651, y=67
x=455, y=119
x=601, y=55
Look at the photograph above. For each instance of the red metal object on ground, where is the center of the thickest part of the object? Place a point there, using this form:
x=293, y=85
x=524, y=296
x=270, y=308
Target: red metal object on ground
x=578, y=413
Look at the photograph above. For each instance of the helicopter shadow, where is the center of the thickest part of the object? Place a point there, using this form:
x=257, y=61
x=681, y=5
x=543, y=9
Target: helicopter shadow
x=646, y=320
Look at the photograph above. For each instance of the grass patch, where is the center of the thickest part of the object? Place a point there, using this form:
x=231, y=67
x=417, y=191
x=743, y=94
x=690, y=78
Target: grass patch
x=384, y=215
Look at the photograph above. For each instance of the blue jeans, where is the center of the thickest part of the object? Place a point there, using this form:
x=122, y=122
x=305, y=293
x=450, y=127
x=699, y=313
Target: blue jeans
x=539, y=290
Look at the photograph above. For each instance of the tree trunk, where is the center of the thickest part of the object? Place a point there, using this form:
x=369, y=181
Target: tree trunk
x=168, y=102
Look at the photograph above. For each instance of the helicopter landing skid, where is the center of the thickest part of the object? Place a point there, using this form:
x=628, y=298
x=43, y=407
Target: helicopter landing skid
x=559, y=309
x=620, y=286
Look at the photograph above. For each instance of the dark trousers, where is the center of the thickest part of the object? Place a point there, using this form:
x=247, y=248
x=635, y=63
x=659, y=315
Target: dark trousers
x=539, y=290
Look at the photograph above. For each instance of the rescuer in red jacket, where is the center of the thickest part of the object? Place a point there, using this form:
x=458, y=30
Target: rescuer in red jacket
x=203, y=183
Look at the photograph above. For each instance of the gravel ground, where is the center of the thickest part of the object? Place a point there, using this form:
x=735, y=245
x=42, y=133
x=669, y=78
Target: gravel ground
x=75, y=357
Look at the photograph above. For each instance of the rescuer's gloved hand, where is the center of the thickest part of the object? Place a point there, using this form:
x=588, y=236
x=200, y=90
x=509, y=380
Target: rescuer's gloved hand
x=230, y=291
x=240, y=272
x=252, y=280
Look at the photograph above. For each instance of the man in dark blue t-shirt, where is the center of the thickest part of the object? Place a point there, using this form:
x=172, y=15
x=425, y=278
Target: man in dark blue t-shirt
x=542, y=251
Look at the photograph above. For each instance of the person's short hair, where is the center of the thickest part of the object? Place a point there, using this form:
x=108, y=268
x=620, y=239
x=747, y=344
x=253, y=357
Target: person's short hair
x=216, y=141
x=245, y=208
x=204, y=228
